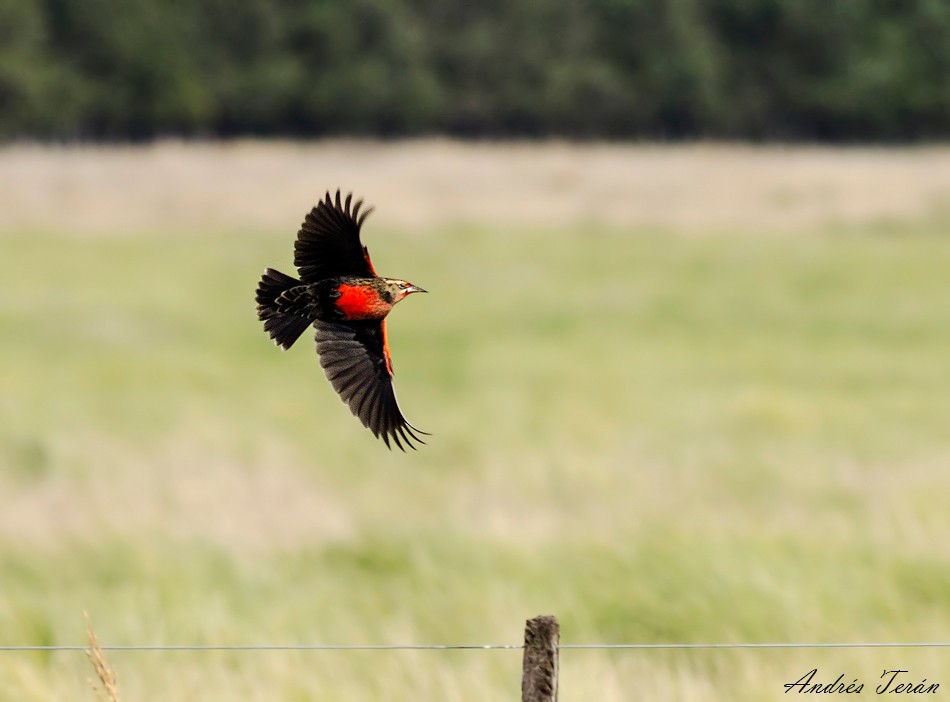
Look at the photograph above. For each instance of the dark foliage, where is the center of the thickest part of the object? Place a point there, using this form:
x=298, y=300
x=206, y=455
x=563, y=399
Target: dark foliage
x=762, y=69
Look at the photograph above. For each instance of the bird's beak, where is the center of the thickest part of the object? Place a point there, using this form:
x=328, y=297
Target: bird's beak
x=414, y=289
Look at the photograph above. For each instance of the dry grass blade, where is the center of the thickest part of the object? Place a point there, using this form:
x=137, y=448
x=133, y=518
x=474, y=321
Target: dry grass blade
x=108, y=688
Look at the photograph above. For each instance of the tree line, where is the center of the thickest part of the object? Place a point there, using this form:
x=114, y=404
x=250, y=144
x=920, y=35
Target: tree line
x=837, y=70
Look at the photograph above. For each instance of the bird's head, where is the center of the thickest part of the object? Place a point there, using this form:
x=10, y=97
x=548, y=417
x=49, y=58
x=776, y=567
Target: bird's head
x=398, y=289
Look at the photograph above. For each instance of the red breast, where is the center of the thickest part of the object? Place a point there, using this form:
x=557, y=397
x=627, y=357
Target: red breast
x=361, y=302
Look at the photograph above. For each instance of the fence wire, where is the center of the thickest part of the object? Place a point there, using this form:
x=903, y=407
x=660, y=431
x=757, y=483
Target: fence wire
x=480, y=647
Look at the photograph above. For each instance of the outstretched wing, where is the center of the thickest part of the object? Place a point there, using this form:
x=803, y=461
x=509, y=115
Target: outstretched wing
x=328, y=243
x=355, y=358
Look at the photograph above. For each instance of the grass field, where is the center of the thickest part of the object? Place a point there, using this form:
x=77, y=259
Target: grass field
x=656, y=429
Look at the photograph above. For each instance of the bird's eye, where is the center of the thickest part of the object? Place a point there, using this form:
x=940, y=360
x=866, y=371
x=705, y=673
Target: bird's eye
x=404, y=285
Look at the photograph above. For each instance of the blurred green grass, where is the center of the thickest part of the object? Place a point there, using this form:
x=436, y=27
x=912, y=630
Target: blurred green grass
x=656, y=436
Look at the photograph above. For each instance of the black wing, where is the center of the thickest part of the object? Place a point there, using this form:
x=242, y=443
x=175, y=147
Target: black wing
x=328, y=243
x=355, y=358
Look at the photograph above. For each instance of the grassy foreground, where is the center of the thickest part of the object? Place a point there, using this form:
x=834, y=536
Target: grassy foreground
x=659, y=437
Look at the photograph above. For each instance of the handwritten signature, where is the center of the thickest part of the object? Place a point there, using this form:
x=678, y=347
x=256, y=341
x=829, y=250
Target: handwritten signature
x=894, y=681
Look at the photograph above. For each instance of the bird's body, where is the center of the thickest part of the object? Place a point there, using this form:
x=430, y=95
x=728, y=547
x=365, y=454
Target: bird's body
x=340, y=294
x=340, y=298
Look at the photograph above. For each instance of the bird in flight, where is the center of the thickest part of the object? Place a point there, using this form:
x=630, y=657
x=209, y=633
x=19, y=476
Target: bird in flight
x=341, y=295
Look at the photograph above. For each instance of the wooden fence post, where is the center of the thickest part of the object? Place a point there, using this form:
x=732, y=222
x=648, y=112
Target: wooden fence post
x=539, y=669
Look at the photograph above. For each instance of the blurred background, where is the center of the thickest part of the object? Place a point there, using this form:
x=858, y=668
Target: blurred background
x=657, y=69
x=684, y=358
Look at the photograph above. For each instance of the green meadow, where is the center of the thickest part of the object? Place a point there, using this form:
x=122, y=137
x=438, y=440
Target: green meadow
x=659, y=436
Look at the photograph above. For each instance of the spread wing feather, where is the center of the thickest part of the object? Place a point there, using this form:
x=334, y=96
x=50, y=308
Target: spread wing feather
x=355, y=360
x=328, y=243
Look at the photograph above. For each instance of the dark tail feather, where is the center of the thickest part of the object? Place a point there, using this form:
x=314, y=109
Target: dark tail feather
x=283, y=328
